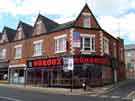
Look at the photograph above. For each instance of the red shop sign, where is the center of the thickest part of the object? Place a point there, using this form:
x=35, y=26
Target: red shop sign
x=102, y=61
x=48, y=62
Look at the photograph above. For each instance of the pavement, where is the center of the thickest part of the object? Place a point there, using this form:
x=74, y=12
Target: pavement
x=64, y=91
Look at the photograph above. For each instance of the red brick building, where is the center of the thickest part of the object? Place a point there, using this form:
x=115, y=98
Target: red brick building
x=53, y=54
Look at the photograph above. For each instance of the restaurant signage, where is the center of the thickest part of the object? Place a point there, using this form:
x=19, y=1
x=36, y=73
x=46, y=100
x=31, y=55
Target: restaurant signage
x=92, y=60
x=68, y=62
x=44, y=62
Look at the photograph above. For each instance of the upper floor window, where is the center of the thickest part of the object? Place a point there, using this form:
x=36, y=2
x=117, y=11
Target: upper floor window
x=37, y=45
x=19, y=33
x=38, y=27
x=86, y=21
x=4, y=38
x=2, y=53
x=106, y=45
x=88, y=43
x=18, y=51
x=60, y=44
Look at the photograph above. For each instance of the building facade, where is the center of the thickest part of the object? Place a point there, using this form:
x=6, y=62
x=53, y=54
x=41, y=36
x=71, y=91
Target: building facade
x=130, y=60
x=52, y=54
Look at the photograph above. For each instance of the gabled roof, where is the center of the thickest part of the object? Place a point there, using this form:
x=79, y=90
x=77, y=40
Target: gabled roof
x=27, y=29
x=86, y=6
x=64, y=26
x=9, y=32
x=49, y=24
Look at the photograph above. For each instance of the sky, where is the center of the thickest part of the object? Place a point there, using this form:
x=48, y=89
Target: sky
x=115, y=16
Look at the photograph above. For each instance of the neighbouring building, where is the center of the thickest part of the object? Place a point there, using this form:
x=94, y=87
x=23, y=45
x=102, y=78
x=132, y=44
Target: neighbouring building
x=52, y=54
x=130, y=60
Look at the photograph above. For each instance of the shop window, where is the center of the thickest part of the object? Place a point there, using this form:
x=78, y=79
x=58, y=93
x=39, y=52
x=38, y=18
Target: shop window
x=2, y=53
x=60, y=44
x=88, y=43
x=106, y=45
x=18, y=51
x=86, y=21
x=37, y=45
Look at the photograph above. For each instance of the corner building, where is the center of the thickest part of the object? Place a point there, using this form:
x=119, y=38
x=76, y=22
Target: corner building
x=61, y=55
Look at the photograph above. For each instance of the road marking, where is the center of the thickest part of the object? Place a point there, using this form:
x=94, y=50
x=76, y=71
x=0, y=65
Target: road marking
x=115, y=96
x=11, y=99
x=104, y=96
x=93, y=95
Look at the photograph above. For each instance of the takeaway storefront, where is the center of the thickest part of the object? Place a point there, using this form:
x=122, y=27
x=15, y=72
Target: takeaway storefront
x=17, y=71
x=93, y=70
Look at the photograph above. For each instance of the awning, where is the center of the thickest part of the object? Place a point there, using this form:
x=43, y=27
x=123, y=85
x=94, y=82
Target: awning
x=17, y=65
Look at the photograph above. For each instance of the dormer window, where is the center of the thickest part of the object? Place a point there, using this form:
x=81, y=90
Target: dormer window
x=19, y=33
x=39, y=27
x=4, y=38
x=39, y=22
x=86, y=21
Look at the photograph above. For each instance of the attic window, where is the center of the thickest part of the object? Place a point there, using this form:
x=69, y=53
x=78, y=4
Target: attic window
x=19, y=33
x=39, y=27
x=4, y=38
x=39, y=22
x=20, y=29
x=86, y=21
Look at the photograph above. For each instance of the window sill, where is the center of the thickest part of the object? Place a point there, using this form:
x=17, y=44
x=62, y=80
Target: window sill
x=37, y=55
x=87, y=51
x=18, y=58
x=60, y=52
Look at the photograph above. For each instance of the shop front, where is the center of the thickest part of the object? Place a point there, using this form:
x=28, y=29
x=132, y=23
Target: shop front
x=93, y=70
x=17, y=72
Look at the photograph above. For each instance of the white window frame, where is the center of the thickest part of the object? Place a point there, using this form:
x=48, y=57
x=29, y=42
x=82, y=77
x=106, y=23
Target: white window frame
x=57, y=46
x=3, y=53
x=38, y=27
x=39, y=22
x=20, y=54
x=92, y=42
x=19, y=36
x=86, y=21
x=35, y=53
x=106, y=45
x=4, y=37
